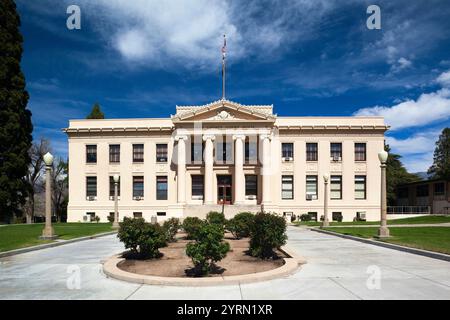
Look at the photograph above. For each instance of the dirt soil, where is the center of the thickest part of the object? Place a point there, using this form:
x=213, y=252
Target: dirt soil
x=175, y=262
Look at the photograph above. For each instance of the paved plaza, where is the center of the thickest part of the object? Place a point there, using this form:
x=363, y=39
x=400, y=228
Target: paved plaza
x=337, y=269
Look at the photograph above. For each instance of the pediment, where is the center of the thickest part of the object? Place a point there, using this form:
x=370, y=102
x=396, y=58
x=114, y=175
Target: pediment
x=223, y=110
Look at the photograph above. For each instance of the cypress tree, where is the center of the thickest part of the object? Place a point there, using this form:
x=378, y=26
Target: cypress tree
x=96, y=112
x=441, y=158
x=15, y=118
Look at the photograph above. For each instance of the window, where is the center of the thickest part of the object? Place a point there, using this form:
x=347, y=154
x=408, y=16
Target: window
x=402, y=193
x=161, y=188
x=138, y=187
x=161, y=214
x=360, y=152
x=197, y=187
x=439, y=189
x=251, y=186
x=422, y=191
x=311, y=152
x=360, y=187
x=138, y=153
x=111, y=187
x=336, y=151
x=91, y=186
x=161, y=152
x=114, y=153
x=91, y=153
x=251, y=151
x=287, y=150
x=196, y=152
x=336, y=216
x=313, y=216
x=91, y=216
x=224, y=152
x=311, y=187
x=336, y=187
x=287, y=187
x=137, y=215
x=111, y=217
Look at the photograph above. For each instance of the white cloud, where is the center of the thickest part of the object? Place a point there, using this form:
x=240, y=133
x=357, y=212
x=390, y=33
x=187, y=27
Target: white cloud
x=423, y=142
x=444, y=79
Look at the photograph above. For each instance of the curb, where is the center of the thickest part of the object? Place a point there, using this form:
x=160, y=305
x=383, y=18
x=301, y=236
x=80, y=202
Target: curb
x=291, y=265
x=421, y=252
x=53, y=244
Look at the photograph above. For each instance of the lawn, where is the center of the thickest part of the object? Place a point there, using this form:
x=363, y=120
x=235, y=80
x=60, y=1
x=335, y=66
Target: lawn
x=415, y=220
x=429, y=238
x=26, y=235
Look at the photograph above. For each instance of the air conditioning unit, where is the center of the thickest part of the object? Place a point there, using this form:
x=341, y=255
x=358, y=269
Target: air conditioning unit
x=138, y=198
x=85, y=218
x=336, y=158
x=112, y=197
x=361, y=215
x=287, y=159
x=91, y=198
x=251, y=197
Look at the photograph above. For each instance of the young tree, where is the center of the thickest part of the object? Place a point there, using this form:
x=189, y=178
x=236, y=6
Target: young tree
x=96, y=112
x=441, y=162
x=60, y=185
x=396, y=174
x=15, y=118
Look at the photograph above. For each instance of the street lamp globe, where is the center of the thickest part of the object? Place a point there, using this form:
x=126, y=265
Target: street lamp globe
x=326, y=177
x=48, y=159
x=383, y=156
x=116, y=178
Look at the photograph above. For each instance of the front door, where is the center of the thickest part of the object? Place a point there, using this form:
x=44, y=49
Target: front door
x=224, y=189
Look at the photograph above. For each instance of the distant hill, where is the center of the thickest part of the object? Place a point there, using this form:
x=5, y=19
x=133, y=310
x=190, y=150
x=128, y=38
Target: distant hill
x=422, y=175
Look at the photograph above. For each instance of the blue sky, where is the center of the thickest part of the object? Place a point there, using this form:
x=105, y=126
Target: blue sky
x=306, y=57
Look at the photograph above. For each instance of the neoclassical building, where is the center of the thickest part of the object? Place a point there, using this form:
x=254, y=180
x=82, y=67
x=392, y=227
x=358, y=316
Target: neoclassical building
x=225, y=156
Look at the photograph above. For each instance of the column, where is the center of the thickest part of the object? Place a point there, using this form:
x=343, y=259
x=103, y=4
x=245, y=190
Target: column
x=239, y=177
x=209, y=172
x=181, y=169
x=266, y=169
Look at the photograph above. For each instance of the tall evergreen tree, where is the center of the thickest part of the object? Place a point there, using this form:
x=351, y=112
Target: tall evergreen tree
x=441, y=162
x=15, y=118
x=96, y=112
x=396, y=174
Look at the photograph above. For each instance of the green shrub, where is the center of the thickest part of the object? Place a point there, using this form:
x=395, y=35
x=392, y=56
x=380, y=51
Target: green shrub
x=111, y=218
x=191, y=225
x=267, y=233
x=171, y=227
x=208, y=248
x=216, y=218
x=97, y=219
x=240, y=225
x=143, y=239
x=305, y=217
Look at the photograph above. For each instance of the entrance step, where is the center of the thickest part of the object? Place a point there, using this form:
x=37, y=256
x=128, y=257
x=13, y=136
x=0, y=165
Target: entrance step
x=230, y=211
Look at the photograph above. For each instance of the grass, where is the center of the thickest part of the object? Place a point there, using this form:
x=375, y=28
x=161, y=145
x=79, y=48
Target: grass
x=26, y=235
x=415, y=220
x=428, y=238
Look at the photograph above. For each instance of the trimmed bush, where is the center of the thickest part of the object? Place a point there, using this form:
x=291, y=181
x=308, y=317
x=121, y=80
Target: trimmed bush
x=97, y=219
x=216, y=218
x=305, y=217
x=111, y=219
x=208, y=248
x=171, y=227
x=267, y=233
x=143, y=239
x=191, y=225
x=240, y=225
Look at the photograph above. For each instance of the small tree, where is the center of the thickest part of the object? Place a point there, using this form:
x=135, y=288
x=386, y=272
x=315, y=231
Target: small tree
x=96, y=112
x=305, y=217
x=97, y=219
x=171, y=227
x=241, y=224
x=191, y=225
x=208, y=248
x=441, y=160
x=216, y=218
x=267, y=233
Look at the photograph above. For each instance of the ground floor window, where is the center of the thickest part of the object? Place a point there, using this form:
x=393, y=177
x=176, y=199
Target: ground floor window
x=313, y=216
x=161, y=188
x=197, y=187
x=137, y=215
x=360, y=187
x=91, y=187
x=161, y=214
x=337, y=216
x=251, y=186
x=111, y=187
x=138, y=187
x=90, y=216
x=287, y=187
x=336, y=187
x=311, y=187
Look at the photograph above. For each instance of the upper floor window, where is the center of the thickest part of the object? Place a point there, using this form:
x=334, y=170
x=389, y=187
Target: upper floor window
x=161, y=152
x=138, y=153
x=91, y=153
x=197, y=187
x=336, y=187
x=224, y=152
x=422, y=191
x=196, y=152
x=287, y=187
x=91, y=186
x=311, y=152
x=287, y=151
x=111, y=187
x=161, y=188
x=336, y=151
x=360, y=187
x=251, y=151
x=114, y=153
x=439, y=189
x=138, y=187
x=251, y=186
x=311, y=187
x=360, y=152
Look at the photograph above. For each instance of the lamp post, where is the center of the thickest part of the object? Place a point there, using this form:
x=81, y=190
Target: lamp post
x=325, y=222
x=116, y=202
x=48, y=232
x=383, y=231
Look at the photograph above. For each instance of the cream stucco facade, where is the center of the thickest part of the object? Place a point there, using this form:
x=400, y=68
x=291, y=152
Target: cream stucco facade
x=246, y=158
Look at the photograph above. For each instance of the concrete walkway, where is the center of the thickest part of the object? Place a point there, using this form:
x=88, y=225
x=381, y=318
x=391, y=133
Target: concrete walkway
x=337, y=269
x=445, y=224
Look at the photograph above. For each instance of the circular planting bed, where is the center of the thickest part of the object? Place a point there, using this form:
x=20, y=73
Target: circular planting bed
x=174, y=267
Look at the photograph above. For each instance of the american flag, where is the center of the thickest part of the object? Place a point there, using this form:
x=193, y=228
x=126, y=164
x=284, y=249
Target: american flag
x=224, y=48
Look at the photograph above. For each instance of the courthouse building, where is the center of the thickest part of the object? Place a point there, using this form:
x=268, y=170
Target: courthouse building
x=225, y=156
